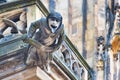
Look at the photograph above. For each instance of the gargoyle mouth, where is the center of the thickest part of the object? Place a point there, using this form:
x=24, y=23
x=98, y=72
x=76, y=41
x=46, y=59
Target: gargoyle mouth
x=53, y=26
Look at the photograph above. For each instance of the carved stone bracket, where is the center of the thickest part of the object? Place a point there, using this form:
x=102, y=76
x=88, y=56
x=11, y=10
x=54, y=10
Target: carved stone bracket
x=71, y=61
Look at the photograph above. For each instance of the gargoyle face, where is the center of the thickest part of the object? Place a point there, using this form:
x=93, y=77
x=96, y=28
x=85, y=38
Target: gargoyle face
x=53, y=24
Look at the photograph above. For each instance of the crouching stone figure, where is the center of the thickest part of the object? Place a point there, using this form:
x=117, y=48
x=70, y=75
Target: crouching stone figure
x=47, y=38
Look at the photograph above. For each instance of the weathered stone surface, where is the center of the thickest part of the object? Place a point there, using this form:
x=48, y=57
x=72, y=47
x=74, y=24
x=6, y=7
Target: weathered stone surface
x=11, y=64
